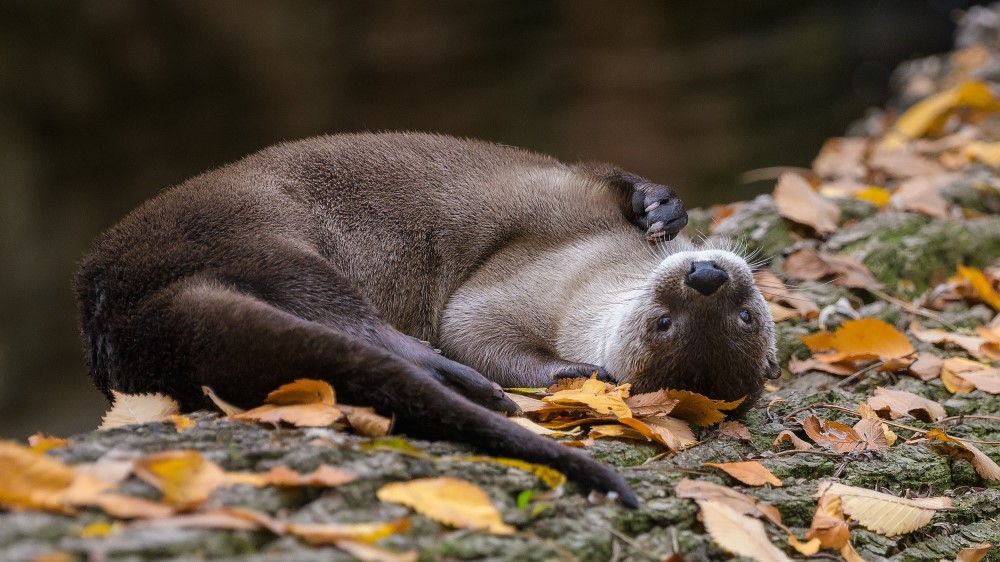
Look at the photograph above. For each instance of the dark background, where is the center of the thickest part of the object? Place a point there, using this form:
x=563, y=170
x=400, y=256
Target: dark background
x=105, y=102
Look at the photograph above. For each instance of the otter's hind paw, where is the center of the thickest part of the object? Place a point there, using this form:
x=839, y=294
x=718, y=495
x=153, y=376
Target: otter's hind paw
x=581, y=371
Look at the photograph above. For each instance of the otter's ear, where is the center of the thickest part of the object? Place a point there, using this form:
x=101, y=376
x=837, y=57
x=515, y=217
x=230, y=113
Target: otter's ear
x=773, y=369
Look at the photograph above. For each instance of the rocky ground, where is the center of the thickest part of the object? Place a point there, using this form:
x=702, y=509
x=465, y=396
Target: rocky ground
x=911, y=240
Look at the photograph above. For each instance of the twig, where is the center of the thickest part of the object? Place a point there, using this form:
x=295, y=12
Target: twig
x=854, y=376
x=912, y=309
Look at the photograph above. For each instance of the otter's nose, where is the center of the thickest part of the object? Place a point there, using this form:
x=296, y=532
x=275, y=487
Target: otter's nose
x=705, y=277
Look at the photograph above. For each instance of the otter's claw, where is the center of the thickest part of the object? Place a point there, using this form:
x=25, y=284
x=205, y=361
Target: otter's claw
x=581, y=370
x=658, y=210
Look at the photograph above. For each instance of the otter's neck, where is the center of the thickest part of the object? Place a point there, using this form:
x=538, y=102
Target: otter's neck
x=600, y=306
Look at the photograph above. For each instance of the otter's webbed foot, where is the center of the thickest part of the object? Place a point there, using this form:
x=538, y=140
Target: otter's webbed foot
x=657, y=209
x=580, y=370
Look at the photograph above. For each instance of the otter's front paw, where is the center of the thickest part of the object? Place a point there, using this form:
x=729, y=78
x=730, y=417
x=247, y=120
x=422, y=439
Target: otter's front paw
x=658, y=210
x=580, y=370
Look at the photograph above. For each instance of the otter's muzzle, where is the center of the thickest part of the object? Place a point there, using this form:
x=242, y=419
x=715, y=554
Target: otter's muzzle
x=705, y=277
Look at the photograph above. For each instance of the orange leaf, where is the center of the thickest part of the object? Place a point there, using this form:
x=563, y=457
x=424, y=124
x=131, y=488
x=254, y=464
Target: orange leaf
x=867, y=338
x=40, y=442
x=984, y=465
x=749, y=472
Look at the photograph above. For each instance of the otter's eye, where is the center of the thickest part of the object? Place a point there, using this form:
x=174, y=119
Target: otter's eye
x=663, y=324
x=745, y=316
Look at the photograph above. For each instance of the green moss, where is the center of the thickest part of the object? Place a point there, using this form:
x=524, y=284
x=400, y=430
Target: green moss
x=902, y=468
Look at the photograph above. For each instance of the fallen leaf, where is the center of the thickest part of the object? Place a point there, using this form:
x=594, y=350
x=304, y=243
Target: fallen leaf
x=841, y=438
x=922, y=194
x=366, y=422
x=128, y=507
x=331, y=533
x=926, y=367
x=878, y=196
x=669, y=432
x=751, y=473
x=540, y=430
x=984, y=465
x=810, y=265
x=901, y=403
x=981, y=286
x=842, y=158
x=867, y=338
x=884, y=513
x=741, y=503
x=828, y=524
x=371, y=553
x=738, y=533
x=955, y=372
x=130, y=409
x=902, y=164
x=867, y=412
x=987, y=380
x=99, y=529
x=797, y=201
x=181, y=423
x=651, y=403
x=222, y=405
x=799, y=366
x=797, y=443
x=779, y=297
x=550, y=476
x=450, y=501
x=324, y=475
x=986, y=152
x=698, y=409
x=927, y=115
x=971, y=344
x=31, y=480
x=974, y=553
x=735, y=429
x=615, y=430
x=807, y=548
x=598, y=396
x=185, y=477
x=302, y=391
x=40, y=442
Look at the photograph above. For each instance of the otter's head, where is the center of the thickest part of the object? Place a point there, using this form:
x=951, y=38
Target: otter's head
x=700, y=324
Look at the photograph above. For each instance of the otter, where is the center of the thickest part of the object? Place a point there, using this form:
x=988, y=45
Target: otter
x=331, y=257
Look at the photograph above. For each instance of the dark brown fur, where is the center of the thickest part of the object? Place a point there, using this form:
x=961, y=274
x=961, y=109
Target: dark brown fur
x=325, y=258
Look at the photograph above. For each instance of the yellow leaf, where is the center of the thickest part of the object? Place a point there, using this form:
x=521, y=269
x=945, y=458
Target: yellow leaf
x=986, y=152
x=884, y=513
x=448, y=500
x=954, y=371
x=749, y=472
x=878, y=196
x=807, y=548
x=40, y=442
x=182, y=423
x=129, y=409
x=698, y=409
x=99, y=529
x=539, y=430
x=330, y=533
x=926, y=115
x=738, y=533
x=185, y=477
x=600, y=397
x=868, y=338
x=550, y=476
x=30, y=480
x=797, y=201
x=980, y=286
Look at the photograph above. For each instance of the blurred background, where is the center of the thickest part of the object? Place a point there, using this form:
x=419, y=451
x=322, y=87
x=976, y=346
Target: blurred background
x=103, y=103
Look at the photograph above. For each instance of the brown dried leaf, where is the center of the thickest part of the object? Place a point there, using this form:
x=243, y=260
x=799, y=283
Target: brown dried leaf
x=974, y=553
x=842, y=158
x=922, y=194
x=130, y=409
x=651, y=403
x=31, y=480
x=884, y=513
x=984, y=465
x=901, y=403
x=300, y=415
x=797, y=201
x=448, y=500
x=325, y=475
x=776, y=293
x=799, y=366
x=840, y=438
x=926, y=367
x=527, y=404
x=751, y=473
x=955, y=370
x=669, y=432
x=828, y=524
x=370, y=553
x=366, y=422
x=797, y=443
x=971, y=344
x=302, y=391
x=868, y=413
x=703, y=490
x=185, y=477
x=810, y=265
x=735, y=429
x=222, y=405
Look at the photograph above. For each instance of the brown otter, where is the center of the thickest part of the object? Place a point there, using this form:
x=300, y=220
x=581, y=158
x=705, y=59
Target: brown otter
x=327, y=258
